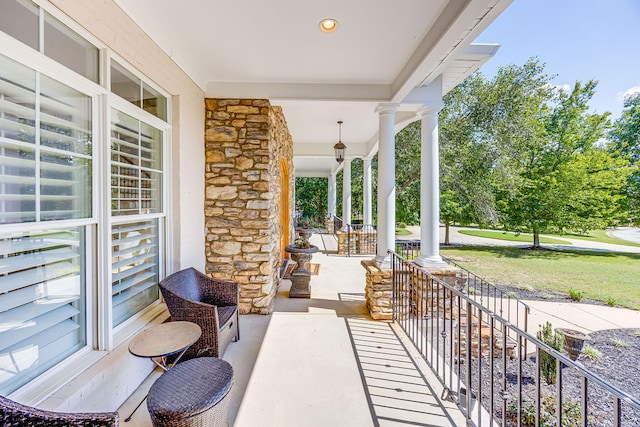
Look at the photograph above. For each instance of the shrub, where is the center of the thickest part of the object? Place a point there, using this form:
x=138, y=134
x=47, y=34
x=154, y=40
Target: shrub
x=571, y=414
x=576, y=295
x=620, y=343
x=592, y=353
x=547, y=362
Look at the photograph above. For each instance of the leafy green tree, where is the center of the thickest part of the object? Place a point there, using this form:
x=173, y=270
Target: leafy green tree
x=625, y=138
x=408, y=174
x=563, y=179
x=468, y=154
x=311, y=199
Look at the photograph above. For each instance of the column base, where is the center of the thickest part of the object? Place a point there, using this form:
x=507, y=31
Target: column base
x=430, y=261
x=383, y=262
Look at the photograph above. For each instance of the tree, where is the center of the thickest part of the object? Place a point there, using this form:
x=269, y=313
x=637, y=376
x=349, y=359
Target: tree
x=407, y=151
x=625, y=142
x=564, y=179
x=311, y=199
x=468, y=154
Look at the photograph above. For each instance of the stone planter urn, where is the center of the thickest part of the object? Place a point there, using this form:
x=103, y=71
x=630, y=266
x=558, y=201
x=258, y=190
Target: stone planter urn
x=301, y=276
x=573, y=341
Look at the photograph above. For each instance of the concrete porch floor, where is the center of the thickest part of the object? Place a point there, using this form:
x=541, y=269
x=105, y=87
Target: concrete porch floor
x=323, y=362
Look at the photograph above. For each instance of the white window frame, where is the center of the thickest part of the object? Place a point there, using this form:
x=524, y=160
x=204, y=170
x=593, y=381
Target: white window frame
x=101, y=336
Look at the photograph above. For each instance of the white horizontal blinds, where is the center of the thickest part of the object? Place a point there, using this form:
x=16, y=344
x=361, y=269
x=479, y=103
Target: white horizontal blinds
x=42, y=309
x=135, y=257
x=136, y=171
x=17, y=142
x=65, y=153
x=150, y=169
x=45, y=148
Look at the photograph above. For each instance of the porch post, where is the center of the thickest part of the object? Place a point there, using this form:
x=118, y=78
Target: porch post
x=346, y=192
x=331, y=202
x=430, y=190
x=386, y=184
x=366, y=191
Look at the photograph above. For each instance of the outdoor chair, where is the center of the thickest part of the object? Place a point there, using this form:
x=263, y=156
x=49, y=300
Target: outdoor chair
x=14, y=414
x=212, y=304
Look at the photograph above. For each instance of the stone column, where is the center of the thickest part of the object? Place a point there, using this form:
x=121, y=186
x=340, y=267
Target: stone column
x=430, y=190
x=331, y=201
x=386, y=184
x=366, y=191
x=346, y=193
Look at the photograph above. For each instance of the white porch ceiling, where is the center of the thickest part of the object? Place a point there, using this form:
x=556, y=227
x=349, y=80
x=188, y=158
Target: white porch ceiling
x=274, y=49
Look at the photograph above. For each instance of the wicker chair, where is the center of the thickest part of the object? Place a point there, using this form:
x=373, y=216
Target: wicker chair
x=212, y=304
x=14, y=414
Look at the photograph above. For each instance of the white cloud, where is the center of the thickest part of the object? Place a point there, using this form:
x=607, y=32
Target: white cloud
x=632, y=90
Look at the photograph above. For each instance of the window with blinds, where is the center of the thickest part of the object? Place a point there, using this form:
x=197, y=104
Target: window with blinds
x=45, y=148
x=136, y=166
x=42, y=302
x=134, y=267
x=136, y=189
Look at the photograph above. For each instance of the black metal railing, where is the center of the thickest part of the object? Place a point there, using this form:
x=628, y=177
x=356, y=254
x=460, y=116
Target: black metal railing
x=337, y=224
x=358, y=239
x=479, y=357
x=481, y=291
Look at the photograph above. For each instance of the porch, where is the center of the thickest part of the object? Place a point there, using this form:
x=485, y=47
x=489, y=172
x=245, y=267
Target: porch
x=323, y=361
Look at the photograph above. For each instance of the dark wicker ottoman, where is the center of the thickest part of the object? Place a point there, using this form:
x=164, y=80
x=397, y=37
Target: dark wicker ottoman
x=192, y=393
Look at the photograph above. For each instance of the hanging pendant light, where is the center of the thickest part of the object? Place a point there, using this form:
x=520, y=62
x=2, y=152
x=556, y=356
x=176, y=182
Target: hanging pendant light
x=340, y=148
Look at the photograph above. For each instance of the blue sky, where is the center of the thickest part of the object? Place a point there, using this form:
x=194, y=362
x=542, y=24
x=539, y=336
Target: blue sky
x=577, y=39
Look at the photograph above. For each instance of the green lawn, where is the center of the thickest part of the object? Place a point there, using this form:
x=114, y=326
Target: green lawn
x=402, y=231
x=513, y=237
x=600, y=275
x=593, y=236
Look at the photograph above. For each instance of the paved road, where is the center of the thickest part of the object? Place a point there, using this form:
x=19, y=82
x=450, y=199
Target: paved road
x=458, y=238
x=631, y=234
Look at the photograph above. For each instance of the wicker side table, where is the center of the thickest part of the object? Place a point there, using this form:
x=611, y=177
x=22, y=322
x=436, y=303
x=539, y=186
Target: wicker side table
x=192, y=393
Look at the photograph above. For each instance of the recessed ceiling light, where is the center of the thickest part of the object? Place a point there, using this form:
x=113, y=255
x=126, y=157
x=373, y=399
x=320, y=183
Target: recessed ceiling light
x=328, y=25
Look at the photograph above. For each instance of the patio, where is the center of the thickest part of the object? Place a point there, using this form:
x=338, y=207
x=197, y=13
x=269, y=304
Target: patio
x=323, y=361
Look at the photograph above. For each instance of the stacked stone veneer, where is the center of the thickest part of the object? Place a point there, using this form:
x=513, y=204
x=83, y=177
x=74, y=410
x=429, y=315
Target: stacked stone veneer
x=245, y=142
x=378, y=291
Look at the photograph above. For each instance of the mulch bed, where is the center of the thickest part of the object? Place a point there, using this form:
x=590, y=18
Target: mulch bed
x=619, y=365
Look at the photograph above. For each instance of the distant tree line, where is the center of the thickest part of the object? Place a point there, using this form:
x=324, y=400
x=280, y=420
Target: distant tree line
x=520, y=154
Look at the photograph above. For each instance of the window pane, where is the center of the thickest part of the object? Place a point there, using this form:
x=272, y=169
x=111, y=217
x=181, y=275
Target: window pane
x=65, y=118
x=154, y=103
x=125, y=84
x=134, y=267
x=150, y=147
x=42, y=302
x=17, y=183
x=19, y=19
x=65, y=186
x=136, y=166
x=125, y=193
x=17, y=101
x=70, y=49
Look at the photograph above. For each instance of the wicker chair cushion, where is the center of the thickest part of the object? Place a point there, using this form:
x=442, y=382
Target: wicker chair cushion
x=225, y=312
x=190, y=388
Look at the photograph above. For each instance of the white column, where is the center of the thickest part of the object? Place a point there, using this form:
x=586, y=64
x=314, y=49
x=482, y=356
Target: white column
x=386, y=184
x=331, y=197
x=429, y=191
x=346, y=192
x=366, y=191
